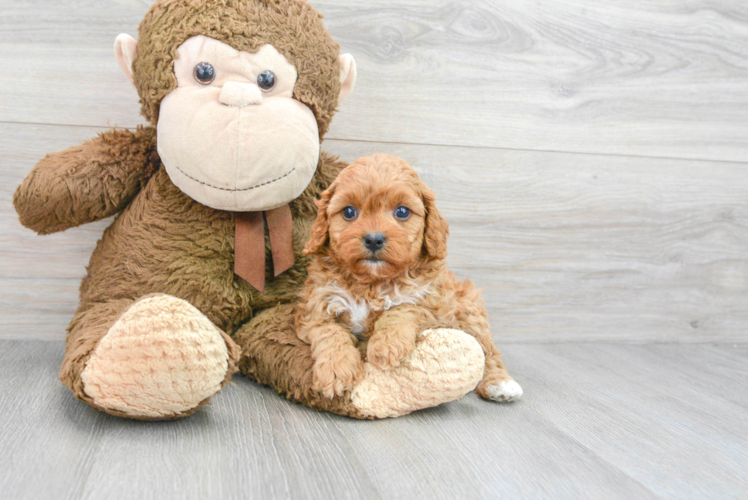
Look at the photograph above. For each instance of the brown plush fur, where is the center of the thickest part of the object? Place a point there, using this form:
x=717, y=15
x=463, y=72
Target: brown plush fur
x=274, y=355
x=407, y=290
x=163, y=241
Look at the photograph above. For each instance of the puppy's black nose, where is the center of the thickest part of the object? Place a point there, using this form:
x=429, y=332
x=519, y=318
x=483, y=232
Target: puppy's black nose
x=374, y=242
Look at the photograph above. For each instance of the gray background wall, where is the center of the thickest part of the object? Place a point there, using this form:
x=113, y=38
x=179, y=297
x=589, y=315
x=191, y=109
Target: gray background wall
x=591, y=158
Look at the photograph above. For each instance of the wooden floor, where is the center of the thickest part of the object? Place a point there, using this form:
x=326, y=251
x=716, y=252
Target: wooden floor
x=591, y=157
x=599, y=421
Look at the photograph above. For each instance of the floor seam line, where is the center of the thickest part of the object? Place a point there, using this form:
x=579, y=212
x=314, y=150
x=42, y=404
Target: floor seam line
x=491, y=148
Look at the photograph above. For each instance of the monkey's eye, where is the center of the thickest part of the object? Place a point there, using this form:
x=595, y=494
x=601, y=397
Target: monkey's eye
x=402, y=213
x=266, y=80
x=204, y=73
x=349, y=213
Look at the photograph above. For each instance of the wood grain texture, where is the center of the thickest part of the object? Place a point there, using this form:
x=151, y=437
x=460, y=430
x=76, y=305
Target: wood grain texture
x=567, y=247
x=642, y=427
x=655, y=78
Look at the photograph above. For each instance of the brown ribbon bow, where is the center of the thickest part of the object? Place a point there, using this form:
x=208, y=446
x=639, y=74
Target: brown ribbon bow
x=249, y=248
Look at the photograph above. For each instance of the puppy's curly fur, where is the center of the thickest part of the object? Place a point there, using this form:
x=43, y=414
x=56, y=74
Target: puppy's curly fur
x=373, y=299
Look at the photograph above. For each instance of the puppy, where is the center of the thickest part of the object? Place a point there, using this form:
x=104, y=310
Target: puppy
x=378, y=278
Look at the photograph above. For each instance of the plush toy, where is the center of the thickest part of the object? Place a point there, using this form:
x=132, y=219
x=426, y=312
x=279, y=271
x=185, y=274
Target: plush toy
x=197, y=275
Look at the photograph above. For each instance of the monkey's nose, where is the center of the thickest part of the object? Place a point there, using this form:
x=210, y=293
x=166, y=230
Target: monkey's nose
x=240, y=94
x=374, y=242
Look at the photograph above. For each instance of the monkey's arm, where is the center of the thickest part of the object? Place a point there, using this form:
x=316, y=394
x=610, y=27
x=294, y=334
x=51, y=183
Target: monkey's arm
x=88, y=182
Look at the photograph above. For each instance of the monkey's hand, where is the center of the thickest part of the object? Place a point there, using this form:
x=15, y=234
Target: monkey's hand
x=88, y=182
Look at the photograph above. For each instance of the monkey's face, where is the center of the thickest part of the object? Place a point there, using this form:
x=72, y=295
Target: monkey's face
x=231, y=136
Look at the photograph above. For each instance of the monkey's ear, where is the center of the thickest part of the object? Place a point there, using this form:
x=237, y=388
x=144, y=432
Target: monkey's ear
x=125, y=49
x=318, y=235
x=347, y=76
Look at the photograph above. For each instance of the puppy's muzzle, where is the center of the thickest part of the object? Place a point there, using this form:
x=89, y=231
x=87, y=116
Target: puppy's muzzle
x=374, y=242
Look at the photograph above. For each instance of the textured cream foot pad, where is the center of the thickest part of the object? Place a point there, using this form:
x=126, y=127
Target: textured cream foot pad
x=161, y=358
x=445, y=365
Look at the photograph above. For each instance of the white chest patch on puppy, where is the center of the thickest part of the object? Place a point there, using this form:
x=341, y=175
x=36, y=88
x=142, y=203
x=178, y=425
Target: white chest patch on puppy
x=340, y=301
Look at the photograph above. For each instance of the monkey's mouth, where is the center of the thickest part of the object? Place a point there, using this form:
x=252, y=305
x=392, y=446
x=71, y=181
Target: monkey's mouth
x=258, y=185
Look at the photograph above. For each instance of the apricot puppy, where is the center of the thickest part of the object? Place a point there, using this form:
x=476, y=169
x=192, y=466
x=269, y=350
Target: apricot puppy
x=378, y=278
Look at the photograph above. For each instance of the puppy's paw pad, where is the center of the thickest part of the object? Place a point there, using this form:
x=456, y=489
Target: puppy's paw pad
x=506, y=392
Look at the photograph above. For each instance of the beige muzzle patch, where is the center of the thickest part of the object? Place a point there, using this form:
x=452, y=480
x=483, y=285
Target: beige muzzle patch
x=229, y=144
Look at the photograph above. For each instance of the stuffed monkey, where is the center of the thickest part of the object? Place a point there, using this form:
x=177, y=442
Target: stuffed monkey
x=197, y=275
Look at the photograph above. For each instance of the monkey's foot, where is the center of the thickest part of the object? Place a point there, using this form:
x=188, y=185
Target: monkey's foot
x=162, y=359
x=445, y=365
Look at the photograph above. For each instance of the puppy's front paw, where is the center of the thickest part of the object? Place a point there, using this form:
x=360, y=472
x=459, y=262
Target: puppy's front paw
x=505, y=391
x=386, y=352
x=337, y=372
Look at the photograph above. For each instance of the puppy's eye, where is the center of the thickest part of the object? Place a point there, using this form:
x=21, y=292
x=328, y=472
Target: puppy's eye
x=349, y=213
x=204, y=73
x=266, y=81
x=402, y=213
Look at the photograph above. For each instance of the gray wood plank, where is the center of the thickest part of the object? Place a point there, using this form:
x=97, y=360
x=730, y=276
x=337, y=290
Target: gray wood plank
x=48, y=443
x=598, y=421
x=37, y=308
x=656, y=78
x=650, y=411
x=567, y=247
x=253, y=446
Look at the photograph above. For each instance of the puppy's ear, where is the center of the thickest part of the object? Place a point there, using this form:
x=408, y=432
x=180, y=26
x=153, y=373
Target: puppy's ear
x=318, y=235
x=437, y=229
